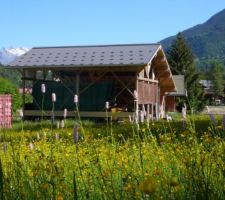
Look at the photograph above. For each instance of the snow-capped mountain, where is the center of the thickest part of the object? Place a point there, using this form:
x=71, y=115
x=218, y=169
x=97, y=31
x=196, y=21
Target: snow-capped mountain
x=10, y=54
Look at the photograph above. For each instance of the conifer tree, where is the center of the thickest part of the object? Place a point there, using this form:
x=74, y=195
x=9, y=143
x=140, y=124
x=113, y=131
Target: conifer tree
x=181, y=60
x=217, y=79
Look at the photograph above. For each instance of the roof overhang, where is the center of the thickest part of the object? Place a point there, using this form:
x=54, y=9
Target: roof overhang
x=129, y=67
x=162, y=71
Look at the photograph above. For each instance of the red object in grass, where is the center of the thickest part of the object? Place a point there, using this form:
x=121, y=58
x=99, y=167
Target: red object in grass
x=5, y=111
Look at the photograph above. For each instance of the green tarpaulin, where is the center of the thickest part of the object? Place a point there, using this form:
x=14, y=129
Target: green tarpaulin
x=92, y=99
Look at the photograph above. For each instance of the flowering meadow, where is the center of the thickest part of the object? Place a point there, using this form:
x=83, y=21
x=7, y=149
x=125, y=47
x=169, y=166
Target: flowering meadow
x=160, y=160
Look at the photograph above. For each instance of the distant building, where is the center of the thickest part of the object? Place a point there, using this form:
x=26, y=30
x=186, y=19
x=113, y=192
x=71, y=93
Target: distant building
x=207, y=86
x=170, y=97
x=210, y=94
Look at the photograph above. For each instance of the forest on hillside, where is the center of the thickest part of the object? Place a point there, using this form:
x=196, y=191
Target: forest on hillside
x=11, y=74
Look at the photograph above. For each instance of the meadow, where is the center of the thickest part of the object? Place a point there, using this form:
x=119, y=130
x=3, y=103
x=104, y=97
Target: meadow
x=159, y=160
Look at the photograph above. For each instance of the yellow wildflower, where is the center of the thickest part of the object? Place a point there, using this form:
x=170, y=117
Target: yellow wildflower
x=44, y=186
x=148, y=186
x=174, y=181
x=59, y=197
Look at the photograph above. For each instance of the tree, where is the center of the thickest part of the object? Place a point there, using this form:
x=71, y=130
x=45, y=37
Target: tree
x=181, y=60
x=180, y=55
x=7, y=87
x=217, y=78
x=12, y=75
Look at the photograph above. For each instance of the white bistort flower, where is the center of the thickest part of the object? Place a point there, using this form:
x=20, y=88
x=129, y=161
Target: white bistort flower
x=43, y=89
x=57, y=136
x=57, y=124
x=75, y=98
x=106, y=105
x=38, y=136
x=31, y=146
x=142, y=117
x=62, y=124
x=53, y=97
x=130, y=119
x=21, y=113
x=65, y=113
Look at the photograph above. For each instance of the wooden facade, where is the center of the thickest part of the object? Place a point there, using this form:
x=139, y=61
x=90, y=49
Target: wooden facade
x=170, y=104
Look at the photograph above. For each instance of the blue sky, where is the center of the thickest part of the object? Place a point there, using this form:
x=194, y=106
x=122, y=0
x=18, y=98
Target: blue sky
x=28, y=23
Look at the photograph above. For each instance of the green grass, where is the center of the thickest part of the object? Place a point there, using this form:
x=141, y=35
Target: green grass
x=161, y=161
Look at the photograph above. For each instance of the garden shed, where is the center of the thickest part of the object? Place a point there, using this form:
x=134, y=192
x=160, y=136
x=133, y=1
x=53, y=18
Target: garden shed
x=97, y=74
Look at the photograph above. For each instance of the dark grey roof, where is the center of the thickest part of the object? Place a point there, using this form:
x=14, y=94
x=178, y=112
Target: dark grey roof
x=77, y=56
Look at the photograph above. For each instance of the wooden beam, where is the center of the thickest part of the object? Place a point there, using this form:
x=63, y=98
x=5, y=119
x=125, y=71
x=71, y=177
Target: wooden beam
x=27, y=79
x=163, y=74
x=159, y=71
x=23, y=103
x=169, y=89
x=152, y=112
x=148, y=80
x=148, y=112
x=77, y=82
x=122, y=83
x=159, y=65
x=136, y=106
x=93, y=82
x=131, y=67
x=37, y=113
x=165, y=79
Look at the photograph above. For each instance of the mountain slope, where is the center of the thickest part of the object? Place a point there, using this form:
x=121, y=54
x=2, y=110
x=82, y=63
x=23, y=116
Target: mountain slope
x=207, y=40
x=8, y=55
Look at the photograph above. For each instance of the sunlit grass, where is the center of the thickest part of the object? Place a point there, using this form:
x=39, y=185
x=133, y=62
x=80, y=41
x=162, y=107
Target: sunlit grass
x=160, y=161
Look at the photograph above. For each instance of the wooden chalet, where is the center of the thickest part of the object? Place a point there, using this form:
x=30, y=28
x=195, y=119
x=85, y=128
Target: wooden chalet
x=97, y=74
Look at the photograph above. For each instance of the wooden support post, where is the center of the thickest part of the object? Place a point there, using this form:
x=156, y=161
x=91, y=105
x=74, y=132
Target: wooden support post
x=174, y=105
x=23, y=95
x=157, y=111
x=78, y=85
x=136, y=101
x=77, y=82
x=44, y=74
x=122, y=83
x=148, y=112
x=164, y=106
x=152, y=106
x=142, y=113
x=157, y=102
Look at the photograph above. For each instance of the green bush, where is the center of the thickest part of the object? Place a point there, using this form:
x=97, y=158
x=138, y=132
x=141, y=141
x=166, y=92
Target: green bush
x=7, y=87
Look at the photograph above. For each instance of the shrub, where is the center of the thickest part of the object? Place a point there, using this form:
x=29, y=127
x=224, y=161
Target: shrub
x=7, y=87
